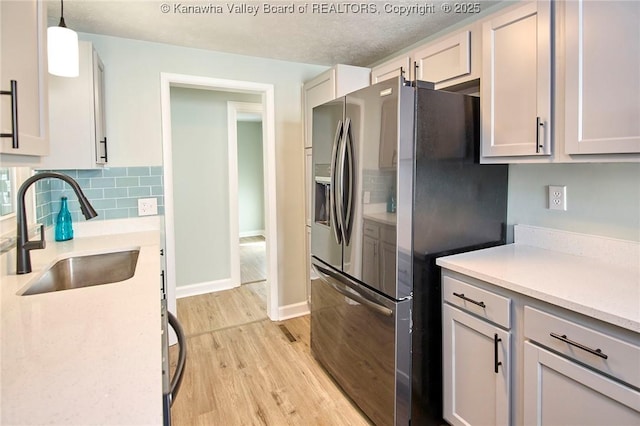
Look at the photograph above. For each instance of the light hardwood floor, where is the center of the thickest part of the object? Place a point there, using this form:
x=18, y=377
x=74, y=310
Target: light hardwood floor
x=243, y=369
x=253, y=259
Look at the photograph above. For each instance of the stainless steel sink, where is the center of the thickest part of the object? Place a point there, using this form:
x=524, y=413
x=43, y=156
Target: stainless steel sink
x=86, y=271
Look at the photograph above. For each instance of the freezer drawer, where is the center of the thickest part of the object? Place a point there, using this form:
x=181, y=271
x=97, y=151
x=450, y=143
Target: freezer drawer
x=363, y=340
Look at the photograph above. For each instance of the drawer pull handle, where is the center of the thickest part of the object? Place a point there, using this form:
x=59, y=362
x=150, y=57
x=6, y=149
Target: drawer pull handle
x=496, y=363
x=597, y=352
x=463, y=297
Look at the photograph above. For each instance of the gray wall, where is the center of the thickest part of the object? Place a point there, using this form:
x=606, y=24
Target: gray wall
x=250, y=177
x=602, y=199
x=201, y=183
x=132, y=80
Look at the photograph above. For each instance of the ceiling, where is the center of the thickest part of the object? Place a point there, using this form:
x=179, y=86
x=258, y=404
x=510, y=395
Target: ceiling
x=326, y=33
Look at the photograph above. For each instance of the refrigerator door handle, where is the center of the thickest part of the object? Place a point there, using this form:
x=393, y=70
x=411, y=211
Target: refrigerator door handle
x=335, y=282
x=348, y=187
x=334, y=196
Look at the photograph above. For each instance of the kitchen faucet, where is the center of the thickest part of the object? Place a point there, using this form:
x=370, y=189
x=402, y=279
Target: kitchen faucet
x=24, y=246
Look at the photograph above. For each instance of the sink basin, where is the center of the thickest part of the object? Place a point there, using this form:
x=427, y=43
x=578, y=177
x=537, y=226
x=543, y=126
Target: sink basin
x=86, y=271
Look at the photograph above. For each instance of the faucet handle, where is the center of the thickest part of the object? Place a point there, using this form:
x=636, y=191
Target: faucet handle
x=37, y=245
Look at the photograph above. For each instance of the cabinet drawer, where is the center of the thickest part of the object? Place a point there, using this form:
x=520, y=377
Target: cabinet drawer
x=483, y=303
x=371, y=230
x=622, y=359
x=388, y=234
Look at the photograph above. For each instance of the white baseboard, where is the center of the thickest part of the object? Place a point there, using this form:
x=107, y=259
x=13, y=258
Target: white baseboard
x=202, y=288
x=254, y=233
x=293, y=311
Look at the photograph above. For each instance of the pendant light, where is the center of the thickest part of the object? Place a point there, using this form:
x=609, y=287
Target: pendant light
x=62, y=49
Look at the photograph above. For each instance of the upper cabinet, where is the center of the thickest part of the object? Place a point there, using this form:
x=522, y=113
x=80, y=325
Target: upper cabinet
x=23, y=104
x=602, y=84
x=77, y=116
x=400, y=66
x=331, y=84
x=516, y=82
x=447, y=61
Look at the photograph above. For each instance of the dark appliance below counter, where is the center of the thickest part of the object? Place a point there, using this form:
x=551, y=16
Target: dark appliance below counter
x=171, y=386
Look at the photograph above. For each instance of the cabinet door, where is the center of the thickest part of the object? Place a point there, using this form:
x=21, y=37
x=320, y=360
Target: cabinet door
x=602, y=89
x=23, y=58
x=474, y=394
x=73, y=125
x=516, y=82
x=445, y=59
x=393, y=68
x=594, y=399
x=102, y=154
x=318, y=91
x=370, y=261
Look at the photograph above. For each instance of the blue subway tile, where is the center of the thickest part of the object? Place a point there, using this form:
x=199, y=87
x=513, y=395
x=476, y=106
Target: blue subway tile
x=127, y=202
x=140, y=191
x=157, y=190
x=156, y=171
x=138, y=171
x=116, y=214
x=160, y=210
x=103, y=182
x=114, y=172
x=133, y=212
x=127, y=182
x=150, y=181
x=104, y=204
x=89, y=174
x=94, y=194
x=116, y=193
x=85, y=183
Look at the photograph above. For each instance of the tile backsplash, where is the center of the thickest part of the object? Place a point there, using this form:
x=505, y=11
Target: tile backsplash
x=113, y=192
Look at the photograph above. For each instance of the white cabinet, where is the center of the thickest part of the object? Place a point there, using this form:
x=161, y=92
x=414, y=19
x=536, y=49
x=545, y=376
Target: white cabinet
x=392, y=68
x=516, y=82
x=476, y=374
x=476, y=360
x=590, y=366
x=77, y=119
x=602, y=88
x=449, y=60
x=331, y=84
x=23, y=59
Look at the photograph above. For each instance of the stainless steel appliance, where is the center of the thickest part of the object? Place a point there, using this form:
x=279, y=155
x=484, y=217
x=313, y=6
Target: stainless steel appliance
x=398, y=184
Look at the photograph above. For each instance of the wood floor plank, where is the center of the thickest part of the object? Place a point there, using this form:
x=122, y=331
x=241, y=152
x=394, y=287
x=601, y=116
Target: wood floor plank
x=253, y=375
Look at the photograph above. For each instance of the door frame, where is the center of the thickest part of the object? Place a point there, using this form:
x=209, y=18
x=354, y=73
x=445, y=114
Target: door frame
x=233, y=109
x=167, y=80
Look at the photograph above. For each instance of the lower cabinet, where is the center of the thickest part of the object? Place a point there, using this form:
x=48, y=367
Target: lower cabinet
x=512, y=359
x=559, y=391
x=476, y=364
x=598, y=370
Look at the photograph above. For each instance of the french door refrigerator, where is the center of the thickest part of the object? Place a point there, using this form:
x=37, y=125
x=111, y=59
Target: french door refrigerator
x=396, y=183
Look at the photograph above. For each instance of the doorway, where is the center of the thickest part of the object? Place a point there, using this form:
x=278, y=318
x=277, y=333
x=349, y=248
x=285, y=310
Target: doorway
x=245, y=123
x=229, y=243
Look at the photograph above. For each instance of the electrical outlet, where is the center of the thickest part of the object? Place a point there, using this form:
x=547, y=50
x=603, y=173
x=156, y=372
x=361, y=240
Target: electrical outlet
x=147, y=206
x=557, y=197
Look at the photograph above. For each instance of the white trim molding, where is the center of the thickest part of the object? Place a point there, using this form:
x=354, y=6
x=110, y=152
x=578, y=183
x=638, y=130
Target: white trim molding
x=168, y=80
x=293, y=311
x=203, y=288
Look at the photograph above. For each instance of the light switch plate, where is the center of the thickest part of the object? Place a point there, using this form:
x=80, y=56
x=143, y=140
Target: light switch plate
x=147, y=206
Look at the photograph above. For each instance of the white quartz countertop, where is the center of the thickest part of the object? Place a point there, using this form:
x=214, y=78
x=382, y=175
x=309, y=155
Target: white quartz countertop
x=382, y=217
x=83, y=356
x=592, y=287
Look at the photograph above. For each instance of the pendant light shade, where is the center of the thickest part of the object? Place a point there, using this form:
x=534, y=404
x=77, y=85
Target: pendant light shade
x=62, y=49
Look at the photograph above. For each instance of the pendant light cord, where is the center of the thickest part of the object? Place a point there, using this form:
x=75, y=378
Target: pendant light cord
x=62, y=23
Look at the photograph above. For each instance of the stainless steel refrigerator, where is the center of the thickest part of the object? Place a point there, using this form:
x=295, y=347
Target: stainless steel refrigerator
x=397, y=183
